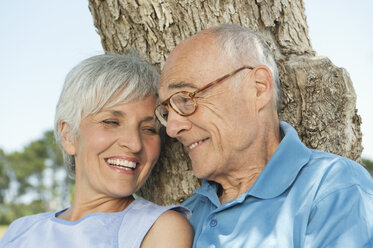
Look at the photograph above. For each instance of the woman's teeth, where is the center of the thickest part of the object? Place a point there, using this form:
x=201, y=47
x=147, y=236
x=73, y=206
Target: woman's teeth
x=120, y=163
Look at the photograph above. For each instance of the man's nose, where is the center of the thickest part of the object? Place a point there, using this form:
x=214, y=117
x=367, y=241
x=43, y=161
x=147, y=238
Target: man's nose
x=177, y=124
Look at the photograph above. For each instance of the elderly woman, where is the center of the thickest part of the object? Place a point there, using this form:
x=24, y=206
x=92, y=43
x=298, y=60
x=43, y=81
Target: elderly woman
x=110, y=141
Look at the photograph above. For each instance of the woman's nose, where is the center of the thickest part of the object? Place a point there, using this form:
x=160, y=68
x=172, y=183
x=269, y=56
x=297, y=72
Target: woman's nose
x=131, y=140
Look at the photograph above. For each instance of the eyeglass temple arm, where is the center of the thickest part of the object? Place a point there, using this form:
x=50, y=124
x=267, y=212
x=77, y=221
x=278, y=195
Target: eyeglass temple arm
x=221, y=79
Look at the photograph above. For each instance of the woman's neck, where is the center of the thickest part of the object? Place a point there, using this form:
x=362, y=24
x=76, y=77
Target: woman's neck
x=82, y=207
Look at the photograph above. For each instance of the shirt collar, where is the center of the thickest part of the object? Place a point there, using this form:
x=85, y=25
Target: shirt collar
x=209, y=189
x=279, y=173
x=283, y=167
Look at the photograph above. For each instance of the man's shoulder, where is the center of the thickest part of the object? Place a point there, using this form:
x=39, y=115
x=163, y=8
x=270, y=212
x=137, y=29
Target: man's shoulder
x=335, y=172
x=329, y=162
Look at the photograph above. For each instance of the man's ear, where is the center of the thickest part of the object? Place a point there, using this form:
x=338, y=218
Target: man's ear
x=67, y=141
x=264, y=86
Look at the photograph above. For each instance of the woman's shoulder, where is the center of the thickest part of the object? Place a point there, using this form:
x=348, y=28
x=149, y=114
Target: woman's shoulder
x=144, y=213
x=170, y=229
x=27, y=221
x=141, y=205
x=171, y=218
x=21, y=225
x=144, y=219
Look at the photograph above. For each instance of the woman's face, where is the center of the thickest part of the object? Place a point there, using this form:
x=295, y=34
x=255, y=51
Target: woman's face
x=116, y=149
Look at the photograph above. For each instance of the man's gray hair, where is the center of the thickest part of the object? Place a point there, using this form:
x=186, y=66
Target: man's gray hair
x=94, y=83
x=242, y=45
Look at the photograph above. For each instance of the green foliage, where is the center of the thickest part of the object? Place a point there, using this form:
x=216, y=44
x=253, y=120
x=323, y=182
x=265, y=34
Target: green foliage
x=368, y=164
x=12, y=211
x=4, y=177
x=37, y=175
x=29, y=163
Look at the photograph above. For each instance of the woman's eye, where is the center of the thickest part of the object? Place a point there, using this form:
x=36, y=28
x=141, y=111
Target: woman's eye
x=111, y=122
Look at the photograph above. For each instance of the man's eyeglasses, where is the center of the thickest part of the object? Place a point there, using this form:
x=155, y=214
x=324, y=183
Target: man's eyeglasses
x=184, y=103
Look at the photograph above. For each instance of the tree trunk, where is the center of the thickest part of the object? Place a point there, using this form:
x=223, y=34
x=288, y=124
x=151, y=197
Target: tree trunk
x=318, y=98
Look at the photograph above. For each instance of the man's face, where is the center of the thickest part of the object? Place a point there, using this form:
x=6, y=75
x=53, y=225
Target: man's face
x=222, y=129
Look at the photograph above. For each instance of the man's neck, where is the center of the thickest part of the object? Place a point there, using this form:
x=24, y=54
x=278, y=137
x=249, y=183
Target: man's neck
x=250, y=166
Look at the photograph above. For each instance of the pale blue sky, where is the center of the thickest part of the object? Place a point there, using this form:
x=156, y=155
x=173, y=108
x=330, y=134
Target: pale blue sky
x=41, y=40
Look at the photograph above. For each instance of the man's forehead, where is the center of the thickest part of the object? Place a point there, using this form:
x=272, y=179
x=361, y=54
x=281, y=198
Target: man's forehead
x=181, y=75
x=188, y=63
x=167, y=89
x=191, y=50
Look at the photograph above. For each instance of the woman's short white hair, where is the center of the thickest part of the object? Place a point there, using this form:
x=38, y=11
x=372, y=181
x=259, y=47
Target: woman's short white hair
x=242, y=45
x=94, y=83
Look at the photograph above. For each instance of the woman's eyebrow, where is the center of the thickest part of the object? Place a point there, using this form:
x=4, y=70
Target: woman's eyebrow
x=117, y=113
x=122, y=114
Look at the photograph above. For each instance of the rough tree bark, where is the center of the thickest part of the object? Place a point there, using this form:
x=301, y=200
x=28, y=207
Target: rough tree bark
x=318, y=98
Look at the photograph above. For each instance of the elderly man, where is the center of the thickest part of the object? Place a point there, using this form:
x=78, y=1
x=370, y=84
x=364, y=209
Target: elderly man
x=262, y=187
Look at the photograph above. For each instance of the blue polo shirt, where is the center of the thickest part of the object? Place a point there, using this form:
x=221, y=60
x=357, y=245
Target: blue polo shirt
x=302, y=198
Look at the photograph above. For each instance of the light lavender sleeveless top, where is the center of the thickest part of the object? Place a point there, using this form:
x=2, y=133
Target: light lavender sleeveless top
x=124, y=229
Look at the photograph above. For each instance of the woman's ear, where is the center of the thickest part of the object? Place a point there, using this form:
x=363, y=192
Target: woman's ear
x=67, y=142
x=264, y=86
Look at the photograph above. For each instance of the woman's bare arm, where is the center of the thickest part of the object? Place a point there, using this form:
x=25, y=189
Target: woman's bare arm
x=171, y=229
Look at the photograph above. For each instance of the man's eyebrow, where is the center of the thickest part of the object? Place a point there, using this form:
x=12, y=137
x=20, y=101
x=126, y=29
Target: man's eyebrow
x=149, y=119
x=181, y=84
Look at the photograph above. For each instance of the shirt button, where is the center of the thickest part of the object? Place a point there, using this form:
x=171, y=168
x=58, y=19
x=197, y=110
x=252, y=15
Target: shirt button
x=213, y=223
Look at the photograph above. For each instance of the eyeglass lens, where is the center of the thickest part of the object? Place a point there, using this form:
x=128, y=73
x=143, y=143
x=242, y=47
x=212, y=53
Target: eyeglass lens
x=182, y=103
x=162, y=114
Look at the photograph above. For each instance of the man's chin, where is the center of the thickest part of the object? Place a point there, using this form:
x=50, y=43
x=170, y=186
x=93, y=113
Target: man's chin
x=198, y=173
x=201, y=172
